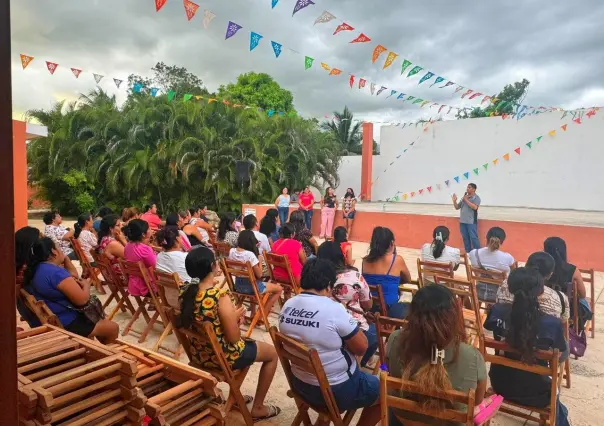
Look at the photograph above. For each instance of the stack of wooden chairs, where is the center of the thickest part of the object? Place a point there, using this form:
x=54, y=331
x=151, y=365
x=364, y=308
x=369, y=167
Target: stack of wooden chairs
x=68, y=380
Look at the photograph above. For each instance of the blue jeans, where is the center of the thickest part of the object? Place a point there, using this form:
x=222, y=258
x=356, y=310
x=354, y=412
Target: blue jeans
x=469, y=233
x=308, y=218
x=372, y=344
x=283, y=214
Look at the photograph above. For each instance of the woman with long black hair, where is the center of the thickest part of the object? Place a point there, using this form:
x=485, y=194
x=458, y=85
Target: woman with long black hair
x=84, y=233
x=349, y=204
x=226, y=229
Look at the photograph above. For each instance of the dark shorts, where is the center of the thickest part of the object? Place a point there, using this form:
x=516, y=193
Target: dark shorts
x=361, y=390
x=248, y=356
x=72, y=256
x=243, y=285
x=81, y=326
x=349, y=215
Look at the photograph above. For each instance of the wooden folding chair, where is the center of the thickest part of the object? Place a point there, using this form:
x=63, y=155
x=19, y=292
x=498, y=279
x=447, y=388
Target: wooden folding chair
x=292, y=352
x=411, y=405
x=291, y=284
x=427, y=271
x=590, y=278
x=377, y=296
x=117, y=284
x=88, y=271
x=384, y=327
x=465, y=262
x=221, y=248
x=539, y=415
x=256, y=301
x=168, y=289
x=473, y=319
x=138, y=269
x=39, y=309
x=483, y=276
x=205, y=334
x=565, y=369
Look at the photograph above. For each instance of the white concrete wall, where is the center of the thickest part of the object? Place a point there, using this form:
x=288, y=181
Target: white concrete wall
x=561, y=172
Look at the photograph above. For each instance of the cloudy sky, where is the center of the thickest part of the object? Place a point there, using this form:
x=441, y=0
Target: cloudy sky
x=481, y=45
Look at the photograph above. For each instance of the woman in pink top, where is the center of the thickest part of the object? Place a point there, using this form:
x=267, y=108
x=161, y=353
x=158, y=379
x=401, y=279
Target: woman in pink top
x=292, y=249
x=137, y=249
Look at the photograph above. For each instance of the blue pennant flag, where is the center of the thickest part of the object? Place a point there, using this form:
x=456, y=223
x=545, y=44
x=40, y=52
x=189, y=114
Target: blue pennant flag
x=137, y=87
x=401, y=96
x=428, y=76
x=438, y=80
x=271, y=112
x=456, y=179
x=466, y=175
x=254, y=40
x=392, y=92
x=274, y=3
x=154, y=91
x=276, y=48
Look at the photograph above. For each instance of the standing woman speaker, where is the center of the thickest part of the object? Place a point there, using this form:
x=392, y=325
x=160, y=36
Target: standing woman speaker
x=282, y=205
x=329, y=205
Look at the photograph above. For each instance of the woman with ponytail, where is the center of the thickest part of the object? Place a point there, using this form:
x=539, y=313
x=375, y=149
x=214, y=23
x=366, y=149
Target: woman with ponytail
x=46, y=280
x=430, y=351
x=84, y=233
x=201, y=301
x=172, y=259
x=439, y=251
x=526, y=329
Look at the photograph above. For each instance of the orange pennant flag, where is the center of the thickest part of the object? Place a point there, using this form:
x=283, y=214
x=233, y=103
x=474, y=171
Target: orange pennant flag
x=25, y=60
x=379, y=49
x=335, y=71
x=495, y=161
x=325, y=66
x=390, y=59
x=552, y=133
x=506, y=157
x=190, y=9
x=563, y=127
x=76, y=72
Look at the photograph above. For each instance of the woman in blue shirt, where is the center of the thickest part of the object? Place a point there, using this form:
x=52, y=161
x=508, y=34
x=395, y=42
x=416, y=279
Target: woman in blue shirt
x=282, y=204
x=49, y=282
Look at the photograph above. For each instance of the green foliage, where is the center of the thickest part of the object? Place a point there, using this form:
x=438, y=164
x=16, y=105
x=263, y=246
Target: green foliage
x=347, y=133
x=258, y=90
x=169, y=78
x=173, y=153
x=508, y=99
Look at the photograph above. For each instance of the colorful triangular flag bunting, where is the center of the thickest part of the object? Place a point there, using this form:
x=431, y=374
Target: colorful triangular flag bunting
x=117, y=82
x=552, y=133
x=506, y=157
x=232, y=29
x=76, y=72
x=25, y=60
x=172, y=95
x=415, y=70
x=137, y=87
x=274, y=3
x=517, y=150
x=539, y=138
x=159, y=4
x=379, y=49
x=308, y=62
x=254, y=40
x=343, y=27
x=495, y=161
x=154, y=91
x=190, y=8
x=372, y=88
x=208, y=15
x=405, y=65
x=390, y=59
x=51, y=66
x=351, y=81
x=301, y=4
x=466, y=175
x=426, y=77
x=563, y=127
x=324, y=18
x=456, y=179
x=486, y=166
x=438, y=80
x=362, y=38
x=97, y=78
x=362, y=82
x=380, y=91
x=529, y=144
x=335, y=71
x=276, y=48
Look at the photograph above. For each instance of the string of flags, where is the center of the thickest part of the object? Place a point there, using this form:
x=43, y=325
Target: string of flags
x=485, y=167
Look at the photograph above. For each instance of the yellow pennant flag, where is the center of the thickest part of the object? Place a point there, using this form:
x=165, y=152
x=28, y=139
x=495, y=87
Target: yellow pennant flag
x=325, y=66
x=390, y=59
x=198, y=97
x=552, y=133
x=404, y=196
x=210, y=100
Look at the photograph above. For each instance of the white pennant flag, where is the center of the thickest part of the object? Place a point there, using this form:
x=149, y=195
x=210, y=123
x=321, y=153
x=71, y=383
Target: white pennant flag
x=97, y=78
x=117, y=82
x=325, y=17
x=372, y=88
x=208, y=15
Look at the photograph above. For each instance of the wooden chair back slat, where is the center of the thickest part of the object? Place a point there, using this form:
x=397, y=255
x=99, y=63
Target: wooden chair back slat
x=589, y=277
x=168, y=288
x=221, y=248
x=384, y=327
x=40, y=309
x=428, y=270
x=281, y=261
x=377, y=295
x=465, y=262
x=88, y=270
x=487, y=276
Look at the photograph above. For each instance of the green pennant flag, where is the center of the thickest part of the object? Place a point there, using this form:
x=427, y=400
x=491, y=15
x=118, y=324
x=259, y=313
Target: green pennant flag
x=476, y=171
x=539, y=138
x=308, y=62
x=414, y=71
x=486, y=166
x=417, y=101
x=529, y=144
x=171, y=95
x=406, y=64
x=187, y=97
x=292, y=114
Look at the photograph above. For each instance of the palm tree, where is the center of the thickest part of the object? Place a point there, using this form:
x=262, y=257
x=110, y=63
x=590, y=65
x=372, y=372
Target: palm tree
x=347, y=133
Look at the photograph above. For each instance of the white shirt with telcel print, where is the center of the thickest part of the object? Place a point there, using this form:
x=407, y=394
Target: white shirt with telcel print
x=323, y=324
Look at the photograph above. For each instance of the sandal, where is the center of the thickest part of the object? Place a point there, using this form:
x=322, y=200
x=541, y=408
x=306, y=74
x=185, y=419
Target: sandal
x=248, y=398
x=273, y=411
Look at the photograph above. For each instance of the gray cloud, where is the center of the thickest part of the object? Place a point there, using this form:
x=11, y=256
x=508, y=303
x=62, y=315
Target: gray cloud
x=480, y=45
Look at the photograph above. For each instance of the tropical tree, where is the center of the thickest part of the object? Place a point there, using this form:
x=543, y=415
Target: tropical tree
x=258, y=90
x=508, y=99
x=345, y=131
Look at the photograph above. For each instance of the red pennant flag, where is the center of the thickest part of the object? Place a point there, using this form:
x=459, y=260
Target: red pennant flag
x=52, y=67
x=190, y=9
x=441, y=108
x=475, y=95
x=421, y=191
x=429, y=189
x=361, y=39
x=517, y=150
x=379, y=49
x=577, y=120
x=159, y=4
x=76, y=72
x=563, y=127
x=343, y=27
x=226, y=102
x=351, y=80
x=362, y=82
x=591, y=113
x=25, y=60
x=507, y=157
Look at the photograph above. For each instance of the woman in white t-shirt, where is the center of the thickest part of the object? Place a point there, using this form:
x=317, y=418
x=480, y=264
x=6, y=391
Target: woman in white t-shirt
x=493, y=259
x=172, y=259
x=84, y=233
x=438, y=250
x=247, y=251
x=321, y=323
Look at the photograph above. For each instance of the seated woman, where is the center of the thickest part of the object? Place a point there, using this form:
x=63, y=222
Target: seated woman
x=269, y=227
x=192, y=232
x=383, y=267
x=429, y=350
x=525, y=328
x=336, y=336
x=340, y=236
x=24, y=241
x=551, y=302
x=352, y=292
x=289, y=247
x=438, y=250
x=46, y=280
x=175, y=223
x=172, y=259
x=112, y=241
x=201, y=301
x=226, y=229
x=491, y=258
x=138, y=249
x=84, y=233
x=567, y=276
x=247, y=251
x=302, y=233
x=130, y=213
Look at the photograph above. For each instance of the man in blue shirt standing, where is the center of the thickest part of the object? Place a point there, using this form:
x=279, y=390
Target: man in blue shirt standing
x=468, y=217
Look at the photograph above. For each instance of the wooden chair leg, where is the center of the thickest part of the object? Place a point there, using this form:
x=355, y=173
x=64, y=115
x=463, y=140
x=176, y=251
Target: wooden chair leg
x=259, y=313
x=567, y=372
x=118, y=306
x=140, y=310
x=165, y=333
x=236, y=397
x=148, y=328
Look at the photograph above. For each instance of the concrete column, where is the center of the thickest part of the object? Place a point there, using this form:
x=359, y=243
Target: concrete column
x=367, y=162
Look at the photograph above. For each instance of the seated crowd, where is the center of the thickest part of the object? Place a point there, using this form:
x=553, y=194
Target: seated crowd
x=527, y=310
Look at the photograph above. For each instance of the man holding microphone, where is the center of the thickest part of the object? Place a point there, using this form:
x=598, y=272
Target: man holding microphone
x=468, y=217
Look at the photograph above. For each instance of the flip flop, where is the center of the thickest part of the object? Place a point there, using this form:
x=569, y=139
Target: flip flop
x=248, y=398
x=273, y=411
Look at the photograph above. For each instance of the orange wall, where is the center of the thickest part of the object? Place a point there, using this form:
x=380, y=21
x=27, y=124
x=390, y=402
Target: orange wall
x=585, y=244
x=20, y=174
